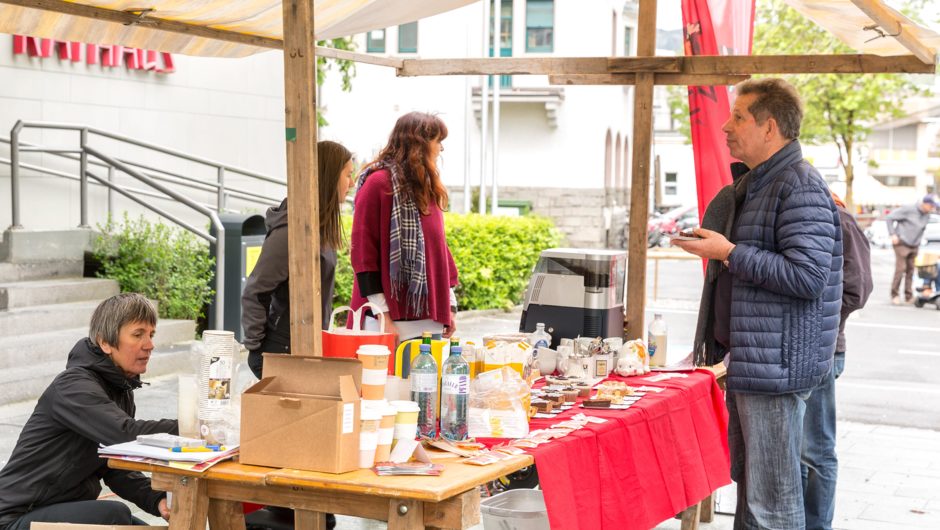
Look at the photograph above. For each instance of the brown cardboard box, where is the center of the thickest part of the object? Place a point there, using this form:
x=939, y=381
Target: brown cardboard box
x=303, y=415
x=69, y=526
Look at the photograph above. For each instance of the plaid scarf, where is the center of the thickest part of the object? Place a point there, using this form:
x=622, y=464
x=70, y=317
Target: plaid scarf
x=406, y=243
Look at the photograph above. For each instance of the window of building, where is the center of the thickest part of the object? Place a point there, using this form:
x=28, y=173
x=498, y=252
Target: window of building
x=671, y=186
x=540, y=26
x=627, y=40
x=896, y=180
x=408, y=38
x=505, y=39
x=375, y=41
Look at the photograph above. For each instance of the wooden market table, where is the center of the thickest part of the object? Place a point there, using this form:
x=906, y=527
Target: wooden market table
x=451, y=500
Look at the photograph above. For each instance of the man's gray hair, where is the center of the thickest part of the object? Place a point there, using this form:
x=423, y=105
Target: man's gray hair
x=775, y=99
x=116, y=312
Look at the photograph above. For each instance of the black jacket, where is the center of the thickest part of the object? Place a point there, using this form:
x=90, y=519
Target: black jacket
x=266, y=297
x=856, y=272
x=56, y=456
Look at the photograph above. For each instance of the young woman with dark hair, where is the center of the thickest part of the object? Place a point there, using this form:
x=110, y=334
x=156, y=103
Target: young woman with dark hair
x=398, y=249
x=266, y=298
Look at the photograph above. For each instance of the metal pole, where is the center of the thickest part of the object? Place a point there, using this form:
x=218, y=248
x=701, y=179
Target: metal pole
x=497, y=81
x=220, y=199
x=83, y=180
x=484, y=104
x=218, y=319
x=15, y=175
x=467, y=121
x=110, y=193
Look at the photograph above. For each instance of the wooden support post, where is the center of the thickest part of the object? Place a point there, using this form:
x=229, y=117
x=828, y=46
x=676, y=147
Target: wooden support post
x=639, y=192
x=690, y=517
x=307, y=520
x=190, y=506
x=303, y=217
x=707, y=510
x=405, y=514
x=226, y=515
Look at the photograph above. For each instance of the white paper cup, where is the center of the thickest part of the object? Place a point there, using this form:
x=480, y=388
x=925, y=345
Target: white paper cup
x=187, y=406
x=374, y=360
x=368, y=436
x=406, y=420
x=386, y=433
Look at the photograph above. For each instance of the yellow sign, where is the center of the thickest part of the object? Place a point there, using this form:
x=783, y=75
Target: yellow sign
x=251, y=259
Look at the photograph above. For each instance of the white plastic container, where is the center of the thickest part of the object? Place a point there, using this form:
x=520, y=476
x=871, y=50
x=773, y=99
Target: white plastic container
x=521, y=509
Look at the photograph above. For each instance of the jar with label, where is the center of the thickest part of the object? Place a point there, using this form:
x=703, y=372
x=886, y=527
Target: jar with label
x=657, y=341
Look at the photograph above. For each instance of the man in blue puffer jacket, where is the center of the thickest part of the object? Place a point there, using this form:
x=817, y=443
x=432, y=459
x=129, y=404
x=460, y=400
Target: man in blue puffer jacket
x=776, y=300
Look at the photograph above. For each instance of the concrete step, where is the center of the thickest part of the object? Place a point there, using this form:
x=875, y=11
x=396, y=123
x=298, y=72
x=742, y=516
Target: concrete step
x=57, y=291
x=54, y=346
x=36, y=319
x=42, y=270
x=27, y=383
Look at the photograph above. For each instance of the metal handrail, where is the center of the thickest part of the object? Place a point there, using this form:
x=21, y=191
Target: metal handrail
x=142, y=173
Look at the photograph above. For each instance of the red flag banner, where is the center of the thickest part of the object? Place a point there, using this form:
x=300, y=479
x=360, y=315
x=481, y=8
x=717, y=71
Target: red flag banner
x=713, y=27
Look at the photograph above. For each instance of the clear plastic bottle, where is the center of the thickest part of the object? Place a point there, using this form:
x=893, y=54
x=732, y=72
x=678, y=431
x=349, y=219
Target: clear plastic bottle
x=656, y=341
x=424, y=391
x=455, y=390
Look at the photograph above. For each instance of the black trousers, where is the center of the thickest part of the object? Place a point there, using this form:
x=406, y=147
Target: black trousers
x=79, y=512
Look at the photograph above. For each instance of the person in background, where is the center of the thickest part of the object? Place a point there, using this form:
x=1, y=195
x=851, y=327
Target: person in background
x=819, y=464
x=266, y=298
x=906, y=227
x=775, y=301
x=398, y=249
x=54, y=474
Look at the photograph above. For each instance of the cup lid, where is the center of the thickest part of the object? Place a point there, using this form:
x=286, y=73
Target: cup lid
x=405, y=406
x=373, y=349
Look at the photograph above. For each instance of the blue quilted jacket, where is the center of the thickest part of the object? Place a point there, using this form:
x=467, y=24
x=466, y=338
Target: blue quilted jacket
x=786, y=278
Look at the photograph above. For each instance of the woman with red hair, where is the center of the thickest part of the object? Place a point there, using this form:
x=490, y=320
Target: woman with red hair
x=398, y=249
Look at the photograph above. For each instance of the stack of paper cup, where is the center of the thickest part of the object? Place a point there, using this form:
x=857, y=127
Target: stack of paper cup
x=406, y=420
x=374, y=358
x=386, y=433
x=186, y=409
x=368, y=436
x=215, y=376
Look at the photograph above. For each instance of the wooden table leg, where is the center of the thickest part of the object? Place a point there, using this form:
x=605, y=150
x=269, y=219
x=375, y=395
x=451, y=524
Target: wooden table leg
x=708, y=509
x=190, y=506
x=226, y=515
x=690, y=517
x=405, y=515
x=307, y=520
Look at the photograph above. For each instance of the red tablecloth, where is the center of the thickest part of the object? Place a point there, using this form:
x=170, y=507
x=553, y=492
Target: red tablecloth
x=644, y=465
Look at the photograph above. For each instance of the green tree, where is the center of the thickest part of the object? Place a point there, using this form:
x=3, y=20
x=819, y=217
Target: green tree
x=346, y=68
x=839, y=108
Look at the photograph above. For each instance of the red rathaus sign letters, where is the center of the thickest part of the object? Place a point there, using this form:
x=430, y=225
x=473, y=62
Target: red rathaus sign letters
x=107, y=56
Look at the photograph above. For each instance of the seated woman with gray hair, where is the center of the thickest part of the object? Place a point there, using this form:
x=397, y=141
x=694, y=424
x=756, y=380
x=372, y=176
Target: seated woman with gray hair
x=54, y=473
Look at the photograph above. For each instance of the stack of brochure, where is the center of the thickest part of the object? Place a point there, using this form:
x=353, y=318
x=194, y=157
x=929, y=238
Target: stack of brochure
x=190, y=460
x=408, y=468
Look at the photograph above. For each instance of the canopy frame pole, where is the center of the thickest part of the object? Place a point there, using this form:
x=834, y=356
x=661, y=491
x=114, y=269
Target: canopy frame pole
x=303, y=221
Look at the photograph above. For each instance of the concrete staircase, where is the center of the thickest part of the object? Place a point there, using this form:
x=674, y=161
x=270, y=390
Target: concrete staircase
x=45, y=308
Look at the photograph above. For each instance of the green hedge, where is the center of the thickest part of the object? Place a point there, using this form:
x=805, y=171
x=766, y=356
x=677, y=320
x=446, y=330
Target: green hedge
x=163, y=263
x=494, y=257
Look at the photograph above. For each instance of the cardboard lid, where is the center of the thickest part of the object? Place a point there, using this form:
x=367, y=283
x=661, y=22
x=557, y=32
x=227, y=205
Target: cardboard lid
x=313, y=375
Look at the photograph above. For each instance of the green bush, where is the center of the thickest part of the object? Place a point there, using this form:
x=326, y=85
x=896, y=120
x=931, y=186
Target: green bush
x=494, y=257
x=166, y=264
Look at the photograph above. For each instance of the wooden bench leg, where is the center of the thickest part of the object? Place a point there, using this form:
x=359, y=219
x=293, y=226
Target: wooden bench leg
x=405, y=515
x=190, y=506
x=226, y=515
x=690, y=517
x=307, y=520
x=708, y=509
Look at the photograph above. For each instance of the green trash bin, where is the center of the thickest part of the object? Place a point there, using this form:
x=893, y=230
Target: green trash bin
x=244, y=235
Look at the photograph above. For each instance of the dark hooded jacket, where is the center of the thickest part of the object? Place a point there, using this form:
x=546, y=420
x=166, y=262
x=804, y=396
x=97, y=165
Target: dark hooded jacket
x=56, y=456
x=266, y=297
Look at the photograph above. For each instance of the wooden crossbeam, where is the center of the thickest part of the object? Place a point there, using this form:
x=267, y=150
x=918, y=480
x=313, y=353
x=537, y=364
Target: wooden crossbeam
x=789, y=64
x=519, y=66
x=892, y=26
x=659, y=79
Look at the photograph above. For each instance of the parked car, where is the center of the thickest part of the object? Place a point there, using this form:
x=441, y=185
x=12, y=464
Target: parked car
x=679, y=219
x=877, y=232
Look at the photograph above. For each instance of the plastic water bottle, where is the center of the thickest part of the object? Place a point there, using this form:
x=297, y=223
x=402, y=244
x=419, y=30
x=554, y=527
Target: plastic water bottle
x=656, y=341
x=455, y=389
x=424, y=391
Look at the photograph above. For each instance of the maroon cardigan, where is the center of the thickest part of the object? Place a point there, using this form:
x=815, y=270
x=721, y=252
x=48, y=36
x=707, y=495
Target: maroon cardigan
x=369, y=250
